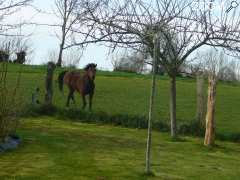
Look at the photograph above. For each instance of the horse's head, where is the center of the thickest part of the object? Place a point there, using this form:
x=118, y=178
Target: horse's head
x=91, y=70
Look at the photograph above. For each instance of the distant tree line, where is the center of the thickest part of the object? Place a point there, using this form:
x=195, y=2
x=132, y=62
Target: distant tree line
x=229, y=70
x=136, y=62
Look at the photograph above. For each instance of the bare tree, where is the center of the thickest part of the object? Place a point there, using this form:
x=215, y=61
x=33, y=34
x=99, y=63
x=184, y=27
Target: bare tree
x=8, y=8
x=229, y=71
x=9, y=106
x=237, y=69
x=9, y=32
x=52, y=55
x=133, y=24
x=72, y=57
x=69, y=14
x=133, y=62
x=19, y=48
x=23, y=49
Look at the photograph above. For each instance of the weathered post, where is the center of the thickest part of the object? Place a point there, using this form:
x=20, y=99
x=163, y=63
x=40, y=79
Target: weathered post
x=49, y=83
x=201, y=100
x=210, y=117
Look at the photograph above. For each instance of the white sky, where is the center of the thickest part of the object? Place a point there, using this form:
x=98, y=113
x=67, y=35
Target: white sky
x=44, y=40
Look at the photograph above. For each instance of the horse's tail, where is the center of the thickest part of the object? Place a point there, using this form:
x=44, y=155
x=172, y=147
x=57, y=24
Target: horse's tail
x=60, y=80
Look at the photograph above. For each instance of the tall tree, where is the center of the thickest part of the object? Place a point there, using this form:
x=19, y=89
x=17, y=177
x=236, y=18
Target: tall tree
x=66, y=12
x=183, y=29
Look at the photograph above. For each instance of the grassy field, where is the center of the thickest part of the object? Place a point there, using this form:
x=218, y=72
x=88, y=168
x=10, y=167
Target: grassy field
x=55, y=149
x=128, y=94
x=58, y=147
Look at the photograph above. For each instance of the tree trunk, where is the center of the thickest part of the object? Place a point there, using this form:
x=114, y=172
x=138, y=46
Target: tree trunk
x=49, y=83
x=172, y=106
x=151, y=104
x=201, y=101
x=210, y=117
x=59, y=62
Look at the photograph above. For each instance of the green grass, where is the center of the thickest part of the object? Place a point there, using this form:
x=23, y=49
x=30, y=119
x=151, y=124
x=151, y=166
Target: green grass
x=128, y=94
x=56, y=149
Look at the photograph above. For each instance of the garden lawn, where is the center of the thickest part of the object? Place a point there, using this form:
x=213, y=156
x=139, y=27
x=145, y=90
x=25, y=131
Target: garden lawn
x=56, y=149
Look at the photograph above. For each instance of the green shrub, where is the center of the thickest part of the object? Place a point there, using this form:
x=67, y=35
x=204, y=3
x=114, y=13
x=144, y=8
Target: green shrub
x=10, y=103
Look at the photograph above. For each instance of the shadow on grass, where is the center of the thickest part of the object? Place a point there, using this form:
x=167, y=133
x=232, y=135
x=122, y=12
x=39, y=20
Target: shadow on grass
x=178, y=139
x=124, y=120
x=149, y=174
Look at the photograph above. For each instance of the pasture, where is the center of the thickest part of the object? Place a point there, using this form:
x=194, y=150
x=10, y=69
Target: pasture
x=133, y=126
x=56, y=149
x=127, y=94
x=57, y=146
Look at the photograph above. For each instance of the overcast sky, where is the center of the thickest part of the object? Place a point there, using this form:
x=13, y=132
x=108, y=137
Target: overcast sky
x=44, y=39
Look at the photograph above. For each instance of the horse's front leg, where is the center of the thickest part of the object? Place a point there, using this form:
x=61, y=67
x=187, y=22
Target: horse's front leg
x=68, y=99
x=90, y=101
x=73, y=99
x=84, y=101
x=70, y=96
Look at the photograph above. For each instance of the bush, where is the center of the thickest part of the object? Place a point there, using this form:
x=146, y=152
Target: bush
x=10, y=104
x=191, y=128
x=125, y=120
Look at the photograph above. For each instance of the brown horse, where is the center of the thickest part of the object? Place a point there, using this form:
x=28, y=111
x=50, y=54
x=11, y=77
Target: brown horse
x=83, y=84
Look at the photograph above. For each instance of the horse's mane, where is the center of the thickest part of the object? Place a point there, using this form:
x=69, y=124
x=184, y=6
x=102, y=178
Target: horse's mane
x=90, y=65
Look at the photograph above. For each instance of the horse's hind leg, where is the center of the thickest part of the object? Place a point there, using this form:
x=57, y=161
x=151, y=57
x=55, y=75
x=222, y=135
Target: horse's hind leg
x=84, y=102
x=68, y=99
x=70, y=96
x=90, y=101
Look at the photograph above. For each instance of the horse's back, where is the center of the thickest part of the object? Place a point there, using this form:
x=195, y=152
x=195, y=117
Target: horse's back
x=81, y=83
x=72, y=79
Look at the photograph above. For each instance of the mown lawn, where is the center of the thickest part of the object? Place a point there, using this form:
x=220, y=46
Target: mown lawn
x=128, y=94
x=56, y=149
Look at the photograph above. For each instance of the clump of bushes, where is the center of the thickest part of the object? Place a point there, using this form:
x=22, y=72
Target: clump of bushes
x=191, y=128
x=75, y=114
x=125, y=120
